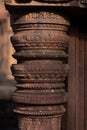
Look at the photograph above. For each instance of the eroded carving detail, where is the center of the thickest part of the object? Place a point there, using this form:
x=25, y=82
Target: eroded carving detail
x=40, y=17
x=29, y=123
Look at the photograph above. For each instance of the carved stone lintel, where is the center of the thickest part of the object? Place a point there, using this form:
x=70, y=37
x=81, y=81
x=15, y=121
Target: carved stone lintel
x=41, y=43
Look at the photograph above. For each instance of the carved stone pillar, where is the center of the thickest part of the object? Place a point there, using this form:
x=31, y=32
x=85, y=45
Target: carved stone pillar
x=41, y=43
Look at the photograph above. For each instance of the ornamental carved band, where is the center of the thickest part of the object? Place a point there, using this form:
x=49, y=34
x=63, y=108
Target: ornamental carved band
x=41, y=43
